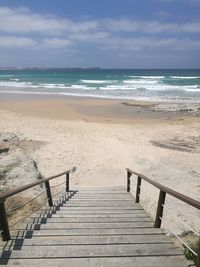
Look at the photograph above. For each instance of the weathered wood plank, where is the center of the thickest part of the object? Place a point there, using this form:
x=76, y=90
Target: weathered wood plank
x=100, y=205
x=102, y=197
x=62, y=219
x=88, y=231
x=93, y=211
x=98, y=225
x=140, y=214
x=172, y=261
x=92, y=251
x=68, y=240
x=93, y=207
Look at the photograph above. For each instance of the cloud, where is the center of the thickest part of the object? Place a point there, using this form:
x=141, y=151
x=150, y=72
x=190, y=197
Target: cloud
x=150, y=27
x=24, y=42
x=140, y=43
x=22, y=28
x=91, y=37
x=56, y=42
x=192, y=27
x=125, y=25
x=17, y=42
x=22, y=20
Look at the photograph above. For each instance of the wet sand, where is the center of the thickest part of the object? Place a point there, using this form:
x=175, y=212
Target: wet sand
x=81, y=108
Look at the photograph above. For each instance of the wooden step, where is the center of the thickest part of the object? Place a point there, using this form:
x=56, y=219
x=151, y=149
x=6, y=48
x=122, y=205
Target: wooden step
x=88, y=232
x=69, y=226
x=101, y=198
x=93, y=251
x=101, y=205
x=100, y=212
x=68, y=240
x=101, y=193
x=90, y=219
x=138, y=261
x=139, y=214
x=100, y=208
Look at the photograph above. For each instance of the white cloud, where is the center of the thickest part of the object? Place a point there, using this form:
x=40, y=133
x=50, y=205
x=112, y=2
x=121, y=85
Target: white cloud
x=140, y=43
x=44, y=31
x=150, y=27
x=56, y=42
x=90, y=37
x=192, y=27
x=18, y=42
x=22, y=20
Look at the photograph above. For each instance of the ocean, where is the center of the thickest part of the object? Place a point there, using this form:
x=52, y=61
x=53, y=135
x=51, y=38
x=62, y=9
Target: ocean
x=116, y=84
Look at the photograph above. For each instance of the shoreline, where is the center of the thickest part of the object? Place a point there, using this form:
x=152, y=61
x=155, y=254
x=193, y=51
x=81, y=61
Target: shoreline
x=93, y=109
x=8, y=95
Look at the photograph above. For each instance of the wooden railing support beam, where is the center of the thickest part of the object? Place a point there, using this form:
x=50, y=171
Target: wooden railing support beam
x=198, y=254
x=67, y=182
x=4, y=223
x=128, y=181
x=49, y=196
x=137, y=198
x=160, y=207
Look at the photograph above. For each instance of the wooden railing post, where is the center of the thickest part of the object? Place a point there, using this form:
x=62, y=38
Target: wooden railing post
x=67, y=182
x=4, y=223
x=48, y=189
x=137, y=199
x=198, y=254
x=159, y=213
x=128, y=181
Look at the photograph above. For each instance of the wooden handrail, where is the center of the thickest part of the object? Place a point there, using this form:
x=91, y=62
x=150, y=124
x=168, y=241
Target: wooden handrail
x=192, y=202
x=5, y=232
x=13, y=192
x=161, y=200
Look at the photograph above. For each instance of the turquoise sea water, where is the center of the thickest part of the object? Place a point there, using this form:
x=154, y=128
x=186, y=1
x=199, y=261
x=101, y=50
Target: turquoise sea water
x=124, y=84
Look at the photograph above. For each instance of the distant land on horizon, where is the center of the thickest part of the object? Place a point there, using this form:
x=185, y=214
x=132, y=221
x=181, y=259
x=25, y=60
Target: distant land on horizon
x=47, y=68
x=90, y=68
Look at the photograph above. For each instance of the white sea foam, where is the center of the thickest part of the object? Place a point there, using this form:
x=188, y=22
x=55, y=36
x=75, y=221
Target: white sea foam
x=147, y=77
x=171, y=88
x=98, y=81
x=14, y=84
x=52, y=85
x=113, y=87
x=77, y=86
x=184, y=77
x=140, y=81
x=192, y=90
x=127, y=85
x=16, y=80
x=26, y=92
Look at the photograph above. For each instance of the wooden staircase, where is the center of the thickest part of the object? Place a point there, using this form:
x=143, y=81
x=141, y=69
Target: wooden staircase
x=92, y=227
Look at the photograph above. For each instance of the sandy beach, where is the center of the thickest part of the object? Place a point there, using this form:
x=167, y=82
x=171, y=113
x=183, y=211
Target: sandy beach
x=104, y=137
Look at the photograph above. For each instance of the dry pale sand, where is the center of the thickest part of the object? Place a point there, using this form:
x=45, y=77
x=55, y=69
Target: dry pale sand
x=103, y=137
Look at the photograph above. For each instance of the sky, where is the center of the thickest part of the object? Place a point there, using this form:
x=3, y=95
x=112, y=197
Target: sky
x=100, y=33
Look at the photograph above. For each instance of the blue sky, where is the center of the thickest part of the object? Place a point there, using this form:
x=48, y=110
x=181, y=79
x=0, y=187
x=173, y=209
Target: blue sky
x=109, y=34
